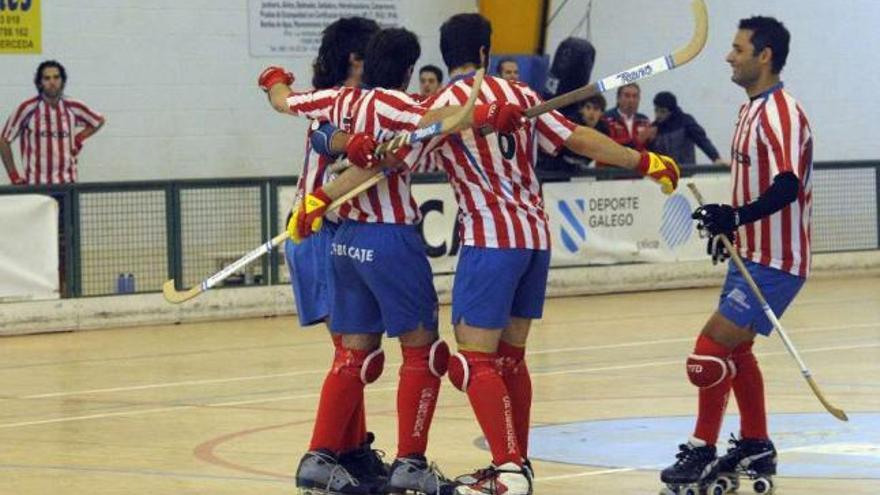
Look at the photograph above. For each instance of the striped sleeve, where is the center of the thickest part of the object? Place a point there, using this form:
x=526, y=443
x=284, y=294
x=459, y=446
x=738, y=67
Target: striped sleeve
x=779, y=133
x=315, y=104
x=553, y=129
x=421, y=157
x=84, y=115
x=18, y=120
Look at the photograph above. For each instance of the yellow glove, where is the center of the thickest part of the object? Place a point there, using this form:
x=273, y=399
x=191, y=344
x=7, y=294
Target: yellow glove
x=661, y=169
x=308, y=217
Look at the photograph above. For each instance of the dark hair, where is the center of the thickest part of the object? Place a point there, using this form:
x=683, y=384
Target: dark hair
x=432, y=68
x=504, y=61
x=461, y=38
x=38, y=76
x=341, y=39
x=389, y=56
x=767, y=32
x=667, y=100
x=630, y=85
x=596, y=100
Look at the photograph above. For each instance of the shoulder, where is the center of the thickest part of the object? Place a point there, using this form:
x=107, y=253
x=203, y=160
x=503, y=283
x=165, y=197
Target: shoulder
x=27, y=105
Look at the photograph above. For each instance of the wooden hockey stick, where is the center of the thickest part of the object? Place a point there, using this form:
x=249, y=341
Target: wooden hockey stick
x=789, y=346
x=448, y=125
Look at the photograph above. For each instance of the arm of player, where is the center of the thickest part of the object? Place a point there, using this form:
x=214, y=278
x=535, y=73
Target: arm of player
x=84, y=134
x=723, y=219
x=9, y=163
x=593, y=144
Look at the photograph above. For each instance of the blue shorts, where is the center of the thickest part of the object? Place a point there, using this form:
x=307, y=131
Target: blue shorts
x=309, y=265
x=382, y=280
x=491, y=285
x=739, y=305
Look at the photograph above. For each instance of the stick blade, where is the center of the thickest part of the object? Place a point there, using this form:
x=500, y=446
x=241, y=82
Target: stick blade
x=834, y=411
x=698, y=40
x=174, y=296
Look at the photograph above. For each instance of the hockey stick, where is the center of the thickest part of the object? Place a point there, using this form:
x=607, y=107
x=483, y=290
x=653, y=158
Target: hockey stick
x=642, y=71
x=789, y=346
x=447, y=125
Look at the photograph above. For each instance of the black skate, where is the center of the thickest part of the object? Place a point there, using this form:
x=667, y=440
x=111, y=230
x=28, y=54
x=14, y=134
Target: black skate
x=413, y=475
x=754, y=459
x=365, y=463
x=320, y=473
x=694, y=473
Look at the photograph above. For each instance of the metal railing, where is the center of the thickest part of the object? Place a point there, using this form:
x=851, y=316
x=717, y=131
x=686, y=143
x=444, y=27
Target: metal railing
x=188, y=229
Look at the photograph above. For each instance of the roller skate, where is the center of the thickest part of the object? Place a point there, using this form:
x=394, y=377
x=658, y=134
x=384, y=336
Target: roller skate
x=320, y=473
x=471, y=478
x=506, y=479
x=413, y=475
x=695, y=471
x=753, y=459
x=365, y=463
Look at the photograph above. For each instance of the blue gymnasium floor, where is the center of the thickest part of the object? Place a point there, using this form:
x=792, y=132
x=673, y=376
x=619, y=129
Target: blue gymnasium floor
x=813, y=445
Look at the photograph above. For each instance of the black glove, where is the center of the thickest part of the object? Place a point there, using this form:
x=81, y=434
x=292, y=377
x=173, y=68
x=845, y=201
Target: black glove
x=717, y=219
x=715, y=248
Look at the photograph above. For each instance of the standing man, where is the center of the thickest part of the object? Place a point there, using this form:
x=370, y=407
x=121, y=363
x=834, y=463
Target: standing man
x=676, y=133
x=430, y=79
x=624, y=121
x=769, y=215
x=501, y=277
x=46, y=125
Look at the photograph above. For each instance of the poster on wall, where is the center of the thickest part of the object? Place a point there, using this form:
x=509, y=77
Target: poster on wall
x=20, y=27
x=292, y=28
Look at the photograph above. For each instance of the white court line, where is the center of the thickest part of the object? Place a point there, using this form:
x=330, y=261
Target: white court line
x=638, y=343
x=386, y=389
x=172, y=384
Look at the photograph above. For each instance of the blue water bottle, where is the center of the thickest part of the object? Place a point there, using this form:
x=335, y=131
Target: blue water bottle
x=129, y=283
x=120, y=284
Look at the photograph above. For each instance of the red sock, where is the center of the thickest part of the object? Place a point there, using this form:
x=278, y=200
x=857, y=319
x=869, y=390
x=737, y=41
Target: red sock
x=492, y=406
x=341, y=394
x=519, y=385
x=713, y=400
x=417, y=395
x=355, y=433
x=748, y=386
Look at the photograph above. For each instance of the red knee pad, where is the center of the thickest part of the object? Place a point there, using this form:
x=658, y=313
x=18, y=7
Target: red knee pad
x=438, y=358
x=708, y=371
x=366, y=365
x=459, y=372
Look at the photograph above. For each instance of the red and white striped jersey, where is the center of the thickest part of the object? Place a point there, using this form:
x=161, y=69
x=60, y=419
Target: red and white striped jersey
x=773, y=136
x=499, y=196
x=46, y=135
x=385, y=113
x=332, y=105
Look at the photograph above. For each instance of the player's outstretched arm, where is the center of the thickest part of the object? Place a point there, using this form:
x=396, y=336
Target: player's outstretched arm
x=593, y=144
x=276, y=81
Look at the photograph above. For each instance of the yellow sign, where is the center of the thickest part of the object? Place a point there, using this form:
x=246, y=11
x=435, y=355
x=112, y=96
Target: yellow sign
x=20, y=26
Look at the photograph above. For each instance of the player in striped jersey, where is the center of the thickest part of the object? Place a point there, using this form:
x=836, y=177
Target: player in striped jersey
x=339, y=65
x=769, y=215
x=502, y=270
x=372, y=295
x=46, y=128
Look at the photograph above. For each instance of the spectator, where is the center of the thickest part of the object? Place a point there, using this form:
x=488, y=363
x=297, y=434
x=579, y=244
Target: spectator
x=674, y=133
x=45, y=125
x=430, y=78
x=507, y=68
x=625, y=123
x=591, y=111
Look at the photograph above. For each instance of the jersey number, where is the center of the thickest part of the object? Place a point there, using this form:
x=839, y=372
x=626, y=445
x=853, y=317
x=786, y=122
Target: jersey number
x=507, y=145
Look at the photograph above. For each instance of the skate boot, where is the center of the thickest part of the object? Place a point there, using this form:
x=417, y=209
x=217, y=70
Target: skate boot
x=506, y=479
x=319, y=473
x=754, y=459
x=694, y=473
x=413, y=475
x=365, y=463
x=471, y=478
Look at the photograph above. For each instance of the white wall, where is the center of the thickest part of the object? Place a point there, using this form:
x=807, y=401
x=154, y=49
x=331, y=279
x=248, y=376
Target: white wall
x=831, y=66
x=178, y=86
